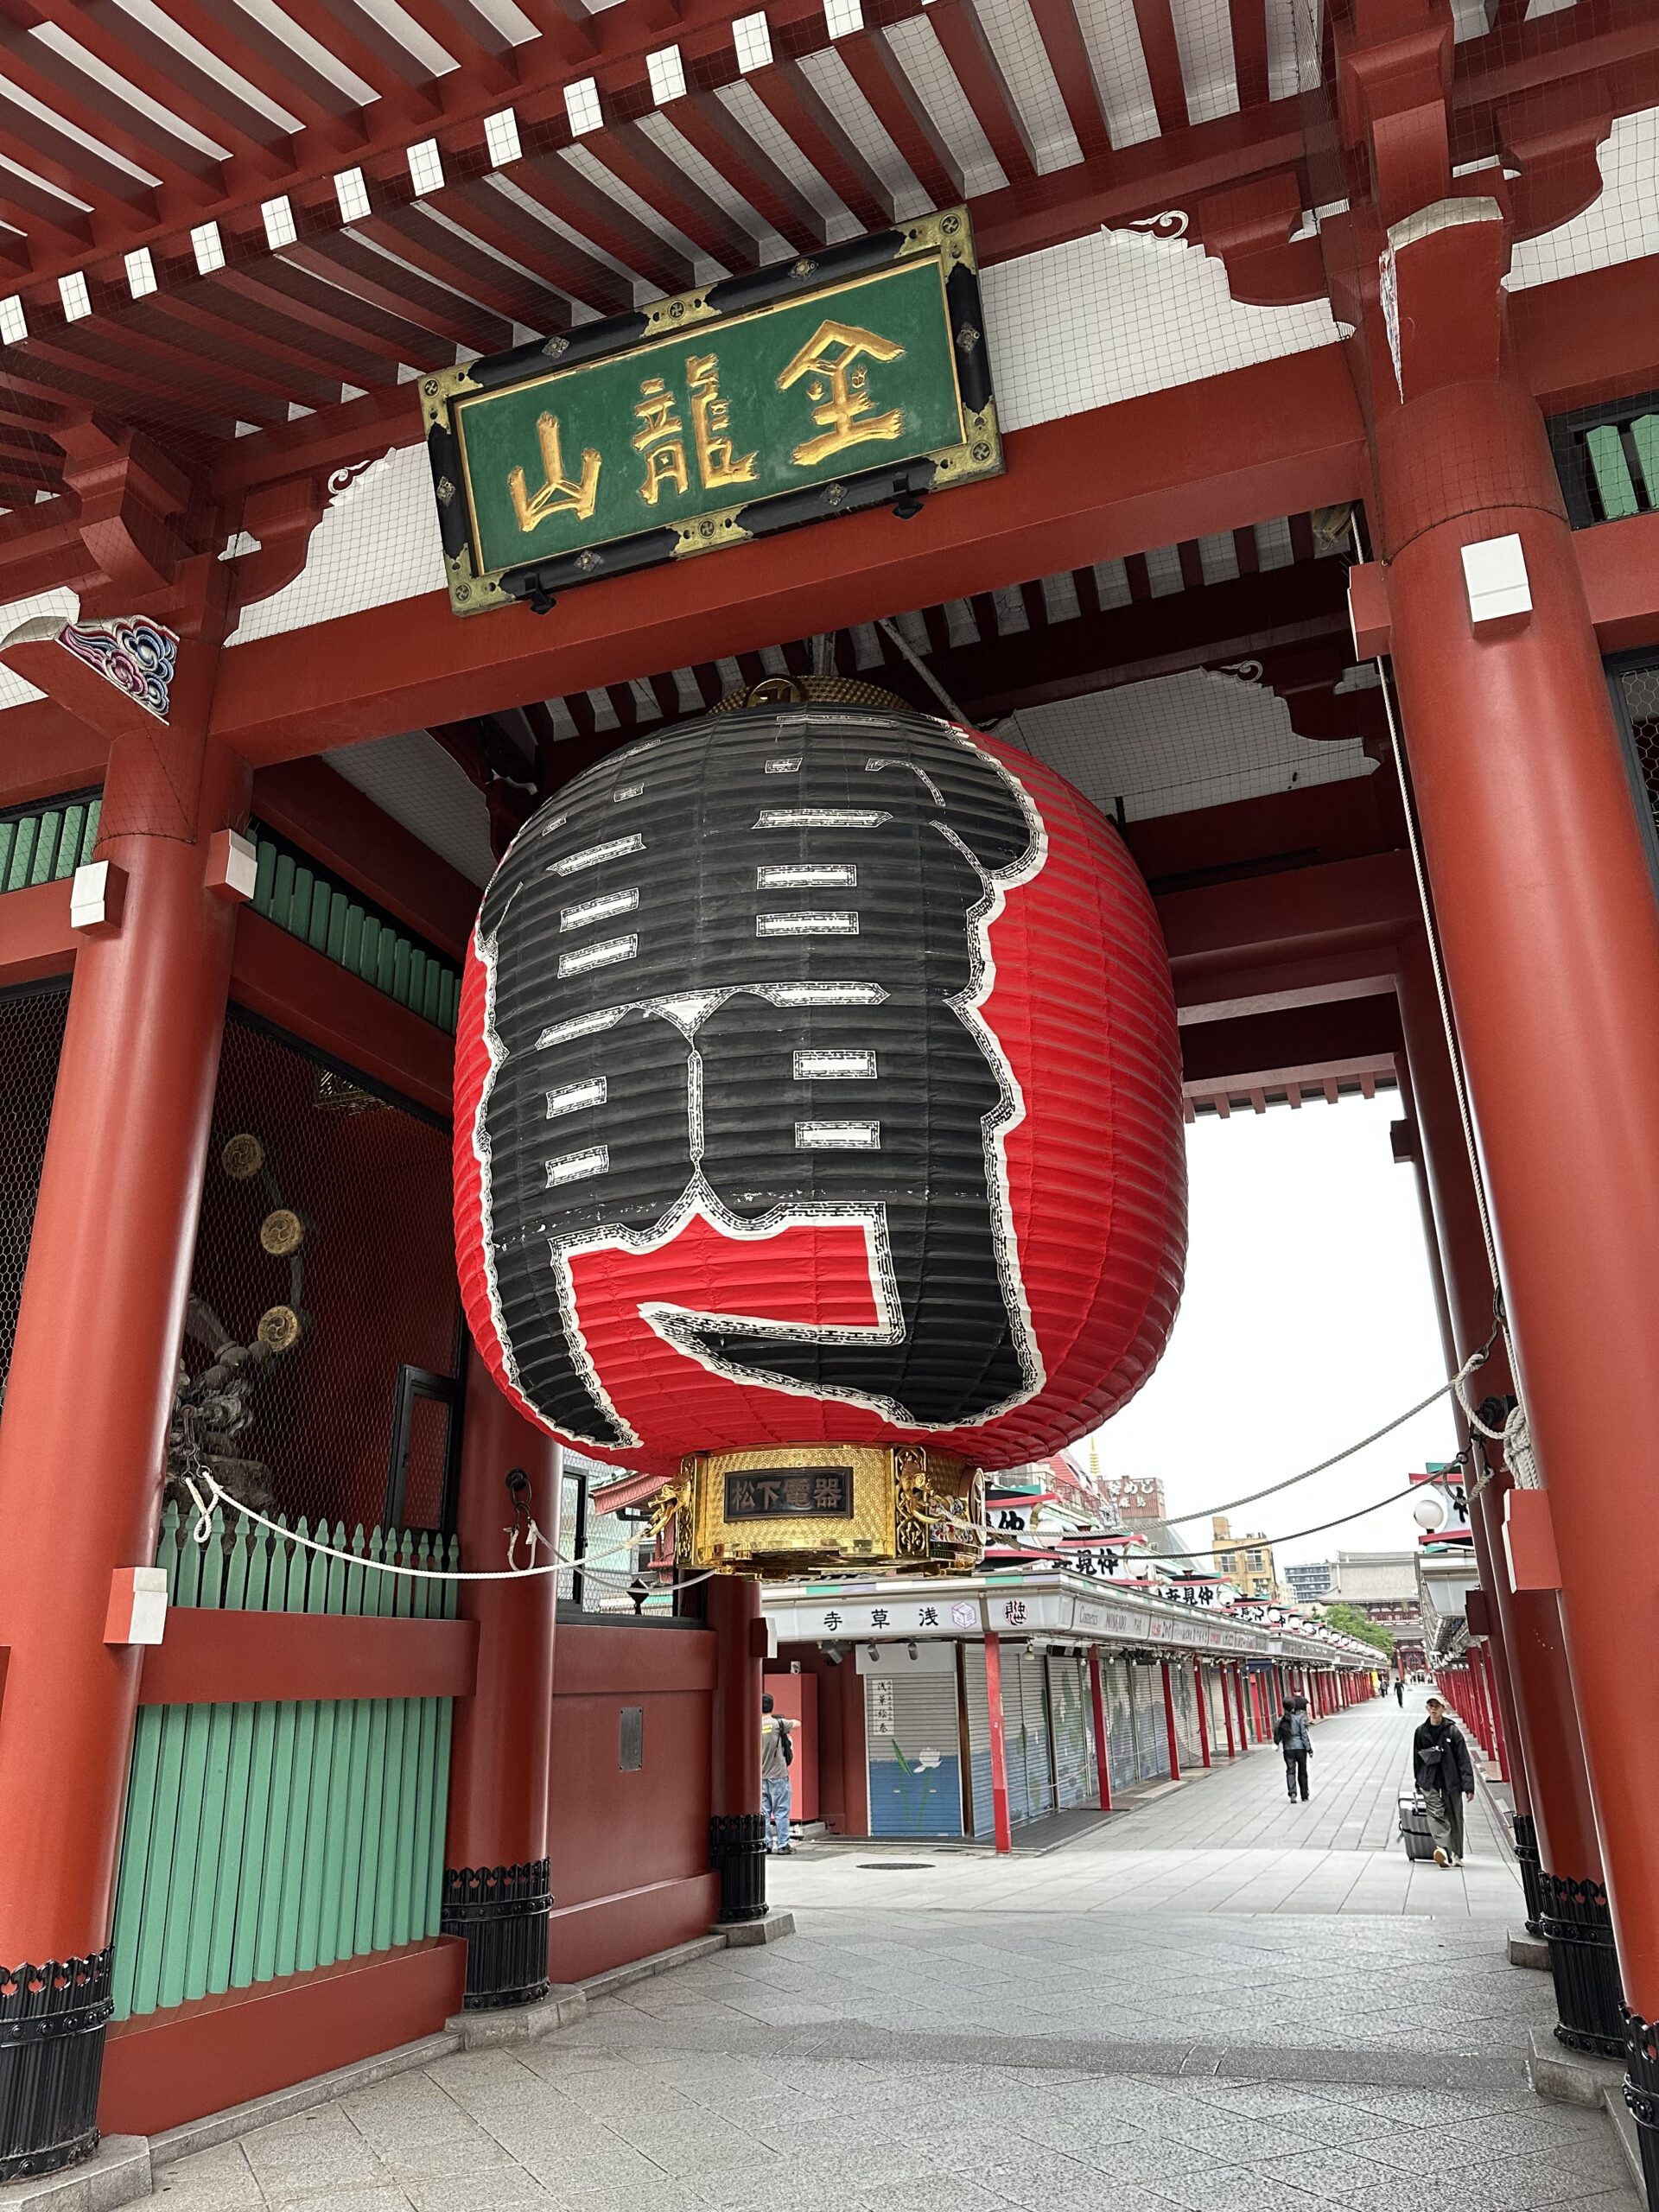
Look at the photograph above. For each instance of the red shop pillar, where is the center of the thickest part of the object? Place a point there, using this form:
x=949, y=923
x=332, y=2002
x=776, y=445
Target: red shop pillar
x=1000, y=1822
x=1202, y=1698
x=89, y=1396
x=495, y=1887
x=737, y=1835
x=1238, y=1694
x=1169, y=1725
x=1226, y=1708
x=1103, y=1734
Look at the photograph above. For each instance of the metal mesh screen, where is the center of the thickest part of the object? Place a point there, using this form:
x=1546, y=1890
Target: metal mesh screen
x=322, y=1329
x=1639, y=688
x=31, y=1037
x=1635, y=685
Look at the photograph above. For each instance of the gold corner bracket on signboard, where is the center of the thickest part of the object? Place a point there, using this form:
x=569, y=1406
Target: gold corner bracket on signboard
x=622, y=445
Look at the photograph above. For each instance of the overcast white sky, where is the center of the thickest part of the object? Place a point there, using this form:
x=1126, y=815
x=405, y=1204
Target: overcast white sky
x=1309, y=1320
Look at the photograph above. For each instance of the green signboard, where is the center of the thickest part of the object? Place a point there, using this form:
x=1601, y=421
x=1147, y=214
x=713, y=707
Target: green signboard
x=855, y=378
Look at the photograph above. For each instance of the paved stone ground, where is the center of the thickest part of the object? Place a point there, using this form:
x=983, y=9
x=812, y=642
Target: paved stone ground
x=1211, y=2005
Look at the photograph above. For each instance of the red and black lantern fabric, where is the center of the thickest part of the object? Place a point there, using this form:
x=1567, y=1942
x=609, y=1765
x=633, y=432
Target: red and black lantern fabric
x=817, y=1081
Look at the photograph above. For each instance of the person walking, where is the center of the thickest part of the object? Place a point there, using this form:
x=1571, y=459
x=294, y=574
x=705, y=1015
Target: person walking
x=1290, y=1733
x=1446, y=1775
x=1399, y=1691
x=777, y=1756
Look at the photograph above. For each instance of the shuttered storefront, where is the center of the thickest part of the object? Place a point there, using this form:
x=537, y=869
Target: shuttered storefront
x=1186, y=1712
x=1073, y=1730
x=1151, y=1735
x=1120, y=1725
x=978, y=1707
x=913, y=1747
x=1025, y=1678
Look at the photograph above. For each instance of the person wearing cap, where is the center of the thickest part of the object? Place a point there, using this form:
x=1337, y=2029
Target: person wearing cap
x=1446, y=1775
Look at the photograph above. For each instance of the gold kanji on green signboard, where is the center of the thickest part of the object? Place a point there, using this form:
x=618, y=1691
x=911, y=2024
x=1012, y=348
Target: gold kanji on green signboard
x=676, y=434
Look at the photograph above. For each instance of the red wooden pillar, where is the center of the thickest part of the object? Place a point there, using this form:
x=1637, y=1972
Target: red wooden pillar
x=1554, y=1827
x=1550, y=930
x=1226, y=1708
x=1169, y=1725
x=737, y=1839
x=999, y=1746
x=1238, y=1693
x=495, y=1890
x=90, y=1394
x=1102, y=1735
x=1202, y=1695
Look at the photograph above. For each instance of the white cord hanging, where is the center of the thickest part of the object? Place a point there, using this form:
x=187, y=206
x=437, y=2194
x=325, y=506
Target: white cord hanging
x=1474, y=1360
x=203, y=1529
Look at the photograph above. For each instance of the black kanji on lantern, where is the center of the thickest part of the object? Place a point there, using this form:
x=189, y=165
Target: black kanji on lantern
x=733, y=971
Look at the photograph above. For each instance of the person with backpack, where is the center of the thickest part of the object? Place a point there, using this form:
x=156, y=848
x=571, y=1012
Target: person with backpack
x=777, y=1756
x=1446, y=1775
x=1290, y=1733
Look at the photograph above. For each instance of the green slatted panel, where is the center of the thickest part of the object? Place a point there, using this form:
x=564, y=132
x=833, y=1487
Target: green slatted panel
x=47, y=843
x=46, y=847
x=22, y=852
x=303, y=901
x=261, y=1840
x=265, y=879
x=1644, y=436
x=1604, y=449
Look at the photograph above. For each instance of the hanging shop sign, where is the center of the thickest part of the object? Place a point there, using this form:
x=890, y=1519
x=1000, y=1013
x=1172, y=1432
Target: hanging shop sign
x=818, y=1137
x=851, y=379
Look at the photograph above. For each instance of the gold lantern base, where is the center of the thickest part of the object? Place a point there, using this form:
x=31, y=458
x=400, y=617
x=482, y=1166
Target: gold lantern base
x=803, y=1509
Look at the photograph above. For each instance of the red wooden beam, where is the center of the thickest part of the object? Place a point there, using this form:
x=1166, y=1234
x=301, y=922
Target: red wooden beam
x=604, y=222
x=274, y=975
x=704, y=121
x=208, y=1658
x=902, y=113
x=788, y=96
x=1267, y=440
x=318, y=811
x=1068, y=57
x=980, y=74
x=1131, y=645
x=35, y=939
x=1249, y=20
x=1163, y=56
x=640, y=163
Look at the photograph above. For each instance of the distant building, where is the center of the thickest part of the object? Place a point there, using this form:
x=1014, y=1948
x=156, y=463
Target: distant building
x=1380, y=1582
x=1138, y=1503
x=1310, y=1578
x=1247, y=1561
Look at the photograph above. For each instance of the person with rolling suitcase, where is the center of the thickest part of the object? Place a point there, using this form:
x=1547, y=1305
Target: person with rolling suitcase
x=1446, y=1777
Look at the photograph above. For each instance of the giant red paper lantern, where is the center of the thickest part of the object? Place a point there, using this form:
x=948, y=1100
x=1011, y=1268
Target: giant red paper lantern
x=817, y=1083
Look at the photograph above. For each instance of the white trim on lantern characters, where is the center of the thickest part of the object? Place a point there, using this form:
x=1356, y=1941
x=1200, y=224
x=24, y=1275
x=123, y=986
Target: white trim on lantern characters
x=679, y=1326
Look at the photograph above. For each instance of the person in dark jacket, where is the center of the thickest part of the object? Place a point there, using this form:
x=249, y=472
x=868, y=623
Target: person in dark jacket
x=1290, y=1733
x=1446, y=1775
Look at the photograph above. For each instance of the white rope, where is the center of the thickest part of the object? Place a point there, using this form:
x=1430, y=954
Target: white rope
x=1474, y=1360
x=513, y=1572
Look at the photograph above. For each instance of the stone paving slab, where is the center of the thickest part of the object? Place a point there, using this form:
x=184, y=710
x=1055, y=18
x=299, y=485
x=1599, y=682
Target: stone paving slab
x=1179, y=2011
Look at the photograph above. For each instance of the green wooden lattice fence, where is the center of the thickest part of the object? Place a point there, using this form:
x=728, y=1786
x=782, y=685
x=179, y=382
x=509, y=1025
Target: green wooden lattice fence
x=43, y=844
x=301, y=900
x=261, y=1840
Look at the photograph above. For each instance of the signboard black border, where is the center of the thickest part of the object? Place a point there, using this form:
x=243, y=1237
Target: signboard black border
x=948, y=235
